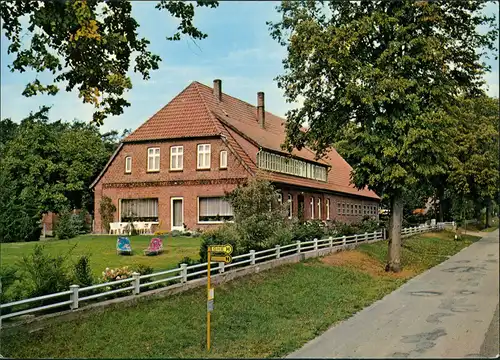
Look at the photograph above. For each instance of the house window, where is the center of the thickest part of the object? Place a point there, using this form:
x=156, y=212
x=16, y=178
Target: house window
x=176, y=157
x=364, y=210
x=204, y=156
x=312, y=208
x=338, y=209
x=139, y=210
x=153, y=159
x=319, y=208
x=214, y=210
x=356, y=209
x=128, y=164
x=290, y=204
x=280, y=198
x=343, y=209
x=327, y=209
x=223, y=159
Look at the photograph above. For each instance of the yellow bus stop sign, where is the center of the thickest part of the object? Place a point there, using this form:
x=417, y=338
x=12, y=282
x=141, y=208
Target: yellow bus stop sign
x=225, y=249
x=225, y=258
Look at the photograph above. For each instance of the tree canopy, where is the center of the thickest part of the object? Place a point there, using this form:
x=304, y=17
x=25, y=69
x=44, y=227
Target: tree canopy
x=380, y=80
x=87, y=44
x=50, y=165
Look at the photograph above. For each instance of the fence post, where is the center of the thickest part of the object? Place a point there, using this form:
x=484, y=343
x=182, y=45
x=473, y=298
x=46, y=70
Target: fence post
x=330, y=239
x=366, y=236
x=315, y=244
x=252, y=257
x=221, y=267
x=383, y=233
x=183, y=273
x=137, y=282
x=356, y=238
x=298, y=246
x=278, y=252
x=74, y=296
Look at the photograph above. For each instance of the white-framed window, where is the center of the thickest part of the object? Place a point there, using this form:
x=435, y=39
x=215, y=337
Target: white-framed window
x=176, y=157
x=213, y=210
x=138, y=210
x=319, y=208
x=223, y=159
x=153, y=159
x=280, y=198
x=343, y=209
x=204, y=156
x=338, y=208
x=327, y=204
x=128, y=164
x=312, y=208
x=290, y=206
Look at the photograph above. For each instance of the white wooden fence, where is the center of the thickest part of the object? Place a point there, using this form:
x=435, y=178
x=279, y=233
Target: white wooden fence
x=80, y=295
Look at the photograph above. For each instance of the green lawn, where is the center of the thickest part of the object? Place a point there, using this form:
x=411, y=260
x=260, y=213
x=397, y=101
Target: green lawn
x=263, y=315
x=102, y=251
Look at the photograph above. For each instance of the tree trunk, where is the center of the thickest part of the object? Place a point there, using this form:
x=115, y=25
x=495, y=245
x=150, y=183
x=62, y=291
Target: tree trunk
x=488, y=213
x=440, y=196
x=394, y=253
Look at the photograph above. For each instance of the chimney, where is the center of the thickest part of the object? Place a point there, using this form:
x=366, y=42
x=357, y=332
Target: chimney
x=261, y=112
x=218, y=89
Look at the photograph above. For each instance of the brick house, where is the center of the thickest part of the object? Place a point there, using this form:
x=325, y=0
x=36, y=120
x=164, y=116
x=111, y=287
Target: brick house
x=176, y=166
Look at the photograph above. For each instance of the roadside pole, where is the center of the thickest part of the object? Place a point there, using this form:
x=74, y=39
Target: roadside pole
x=226, y=259
x=208, y=297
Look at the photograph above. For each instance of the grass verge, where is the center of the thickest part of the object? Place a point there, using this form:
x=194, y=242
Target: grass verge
x=264, y=315
x=102, y=251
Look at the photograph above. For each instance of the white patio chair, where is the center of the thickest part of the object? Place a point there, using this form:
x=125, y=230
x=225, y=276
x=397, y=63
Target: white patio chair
x=148, y=228
x=114, y=228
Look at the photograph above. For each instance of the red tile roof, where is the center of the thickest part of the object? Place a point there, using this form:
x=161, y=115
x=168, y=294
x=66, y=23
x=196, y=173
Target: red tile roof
x=196, y=112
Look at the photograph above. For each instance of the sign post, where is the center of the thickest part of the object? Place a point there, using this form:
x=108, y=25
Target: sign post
x=226, y=250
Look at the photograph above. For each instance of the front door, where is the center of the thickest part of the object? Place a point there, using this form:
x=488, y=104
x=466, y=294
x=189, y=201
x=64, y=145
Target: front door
x=177, y=211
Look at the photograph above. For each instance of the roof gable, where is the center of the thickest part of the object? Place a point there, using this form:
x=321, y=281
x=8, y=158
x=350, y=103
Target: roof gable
x=186, y=115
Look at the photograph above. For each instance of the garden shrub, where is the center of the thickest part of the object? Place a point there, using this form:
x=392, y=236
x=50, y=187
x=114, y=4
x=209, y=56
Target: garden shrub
x=257, y=214
x=82, y=273
x=8, y=277
x=369, y=226
x=144, y=270
x=19, y=219
x=224, y=234
x=176, y=233
x=307, y=231
x=70, y=225
x=45, y=273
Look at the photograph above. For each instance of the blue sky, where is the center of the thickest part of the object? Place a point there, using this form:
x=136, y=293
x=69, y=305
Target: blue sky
x=238, y=50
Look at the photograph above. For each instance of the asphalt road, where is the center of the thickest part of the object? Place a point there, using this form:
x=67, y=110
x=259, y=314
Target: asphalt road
x=450, y=310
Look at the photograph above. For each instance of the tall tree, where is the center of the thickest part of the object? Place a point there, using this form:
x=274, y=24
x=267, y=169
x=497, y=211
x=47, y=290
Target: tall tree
x=51, y=164
x=474, y=173
x=87, y=44
x=378, y=80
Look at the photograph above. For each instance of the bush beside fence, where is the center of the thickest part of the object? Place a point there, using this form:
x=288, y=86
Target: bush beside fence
x=184, y=273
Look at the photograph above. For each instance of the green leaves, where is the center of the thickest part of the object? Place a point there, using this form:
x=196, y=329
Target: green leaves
x=379, y=81
x=51, y=165
x=87, y=45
